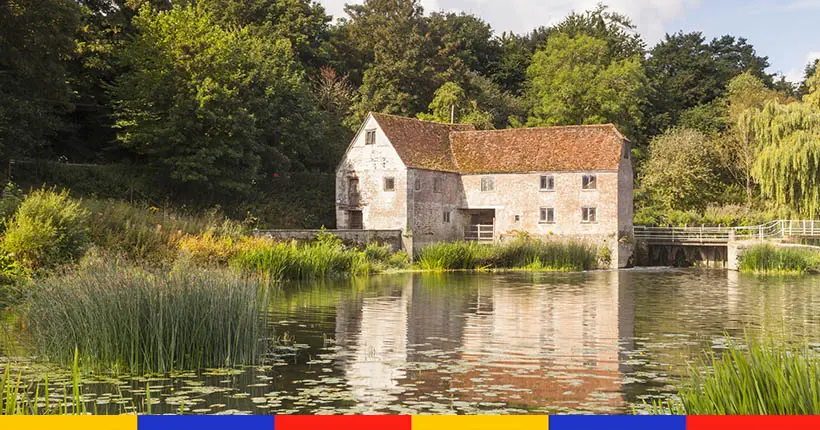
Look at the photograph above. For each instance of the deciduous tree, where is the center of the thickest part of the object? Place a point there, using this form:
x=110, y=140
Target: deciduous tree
x=573, y=82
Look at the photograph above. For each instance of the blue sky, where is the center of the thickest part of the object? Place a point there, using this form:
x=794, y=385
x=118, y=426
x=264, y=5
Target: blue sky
x=787, y=31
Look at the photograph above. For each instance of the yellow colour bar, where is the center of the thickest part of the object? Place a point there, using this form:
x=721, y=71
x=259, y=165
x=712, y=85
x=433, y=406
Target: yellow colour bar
x=68, y=422
x=480, y=422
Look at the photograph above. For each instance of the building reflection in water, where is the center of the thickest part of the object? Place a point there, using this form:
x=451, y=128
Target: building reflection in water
x=551, y=343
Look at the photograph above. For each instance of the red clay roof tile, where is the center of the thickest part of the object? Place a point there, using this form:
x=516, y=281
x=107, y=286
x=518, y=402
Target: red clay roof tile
x=459, y=148
x=421, y=144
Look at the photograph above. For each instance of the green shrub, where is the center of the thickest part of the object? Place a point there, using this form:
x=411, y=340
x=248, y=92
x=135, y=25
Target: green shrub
x=128, y=319
x=771, y=259
x=49, y=228
x=761, y=379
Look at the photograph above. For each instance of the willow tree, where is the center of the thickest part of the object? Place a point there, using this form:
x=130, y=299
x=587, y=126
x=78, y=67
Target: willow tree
x=788, y=163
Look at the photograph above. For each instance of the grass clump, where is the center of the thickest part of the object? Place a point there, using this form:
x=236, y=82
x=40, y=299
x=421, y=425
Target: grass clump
x=48, y=228
x=458, y=255
x=761, y=379
x=769, y=259
x=128, y=319
x=519, y=253
x=324, y=257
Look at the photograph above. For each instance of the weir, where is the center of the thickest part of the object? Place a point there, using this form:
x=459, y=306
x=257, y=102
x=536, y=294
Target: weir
x=714, y=246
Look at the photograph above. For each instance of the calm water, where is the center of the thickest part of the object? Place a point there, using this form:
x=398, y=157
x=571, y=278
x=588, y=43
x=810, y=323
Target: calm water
x=489, y=343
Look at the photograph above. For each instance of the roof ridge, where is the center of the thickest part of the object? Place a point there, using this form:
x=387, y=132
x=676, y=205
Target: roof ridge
x=410, y=118
x=546, y=127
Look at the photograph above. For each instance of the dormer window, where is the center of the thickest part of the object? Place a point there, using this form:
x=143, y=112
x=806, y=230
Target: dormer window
x=589, y=182
x=370, y=137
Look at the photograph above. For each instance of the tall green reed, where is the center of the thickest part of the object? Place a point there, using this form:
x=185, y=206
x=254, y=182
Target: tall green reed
x=325, y=257
x=519, y=253
x=762, y=378
x=127, y=319
x=770, y=259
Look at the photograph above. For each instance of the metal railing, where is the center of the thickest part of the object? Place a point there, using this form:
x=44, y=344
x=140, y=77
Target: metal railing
x=479, y=232
x=779, y=229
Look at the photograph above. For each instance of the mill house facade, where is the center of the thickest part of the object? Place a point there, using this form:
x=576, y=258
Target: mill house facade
x=445, y=182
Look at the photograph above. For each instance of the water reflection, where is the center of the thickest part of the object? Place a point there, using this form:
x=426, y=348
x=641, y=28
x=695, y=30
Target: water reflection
x=493, y=343
x=598, y=341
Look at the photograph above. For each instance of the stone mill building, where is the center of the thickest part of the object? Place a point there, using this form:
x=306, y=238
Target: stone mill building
x=444, y=182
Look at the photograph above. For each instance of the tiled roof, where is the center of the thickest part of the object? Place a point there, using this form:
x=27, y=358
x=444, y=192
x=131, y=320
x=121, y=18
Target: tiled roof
x=421, y=144
x=459, y=148
x=585, y=147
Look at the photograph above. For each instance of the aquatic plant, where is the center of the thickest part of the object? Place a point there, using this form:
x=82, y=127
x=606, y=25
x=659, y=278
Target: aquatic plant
x=458, y=255
x=17, y=398
x=135, y=320
x=519, y=253
x=764, y=378
x=771, y=259
x=324, y=257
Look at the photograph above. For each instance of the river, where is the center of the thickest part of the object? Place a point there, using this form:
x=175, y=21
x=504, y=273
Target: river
x=601, y=342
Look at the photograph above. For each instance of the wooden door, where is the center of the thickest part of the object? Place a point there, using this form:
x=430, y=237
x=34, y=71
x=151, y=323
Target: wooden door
x=354, y=220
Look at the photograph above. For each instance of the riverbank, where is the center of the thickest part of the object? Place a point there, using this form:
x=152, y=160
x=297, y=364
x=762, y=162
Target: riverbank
x=774, y=260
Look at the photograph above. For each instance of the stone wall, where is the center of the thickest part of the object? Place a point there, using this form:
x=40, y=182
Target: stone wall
x=359, y=237
x=371, y=164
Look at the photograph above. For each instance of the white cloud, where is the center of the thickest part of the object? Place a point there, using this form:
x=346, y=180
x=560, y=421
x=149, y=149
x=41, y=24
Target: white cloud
x=521, y=16
x=796, y=75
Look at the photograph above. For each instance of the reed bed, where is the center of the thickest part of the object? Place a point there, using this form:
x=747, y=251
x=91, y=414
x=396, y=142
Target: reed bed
x=760, y=379
x=768, y=259
x=125, y=319
x=324, y=257
x=520, y=253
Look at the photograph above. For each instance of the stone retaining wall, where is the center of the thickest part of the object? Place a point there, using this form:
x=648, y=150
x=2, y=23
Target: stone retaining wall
x=360, y=237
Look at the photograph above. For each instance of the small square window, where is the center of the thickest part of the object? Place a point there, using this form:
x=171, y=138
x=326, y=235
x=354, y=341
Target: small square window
x=589, y=215
x=437, y=185
x=487, y=183
x=547, y=183
x=547, y=216
x=369, y=137
x=589, y=182
x=417, y=186
x=518, y=218
x=389, y=183
x=446, y=217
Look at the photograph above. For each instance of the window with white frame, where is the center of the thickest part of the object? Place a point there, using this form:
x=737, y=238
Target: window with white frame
x=547, y=183
x=589, y=182
x=487, y=183
x=389, y=183
x=369, y=137
x=589, y=215
x=546, y=216
x=446, y=216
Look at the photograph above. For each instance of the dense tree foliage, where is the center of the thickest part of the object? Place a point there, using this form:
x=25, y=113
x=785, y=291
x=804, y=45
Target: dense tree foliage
x=573, y=80
x=214, y=107
x=683, y=170
x=222, y=95
x=37, y=40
